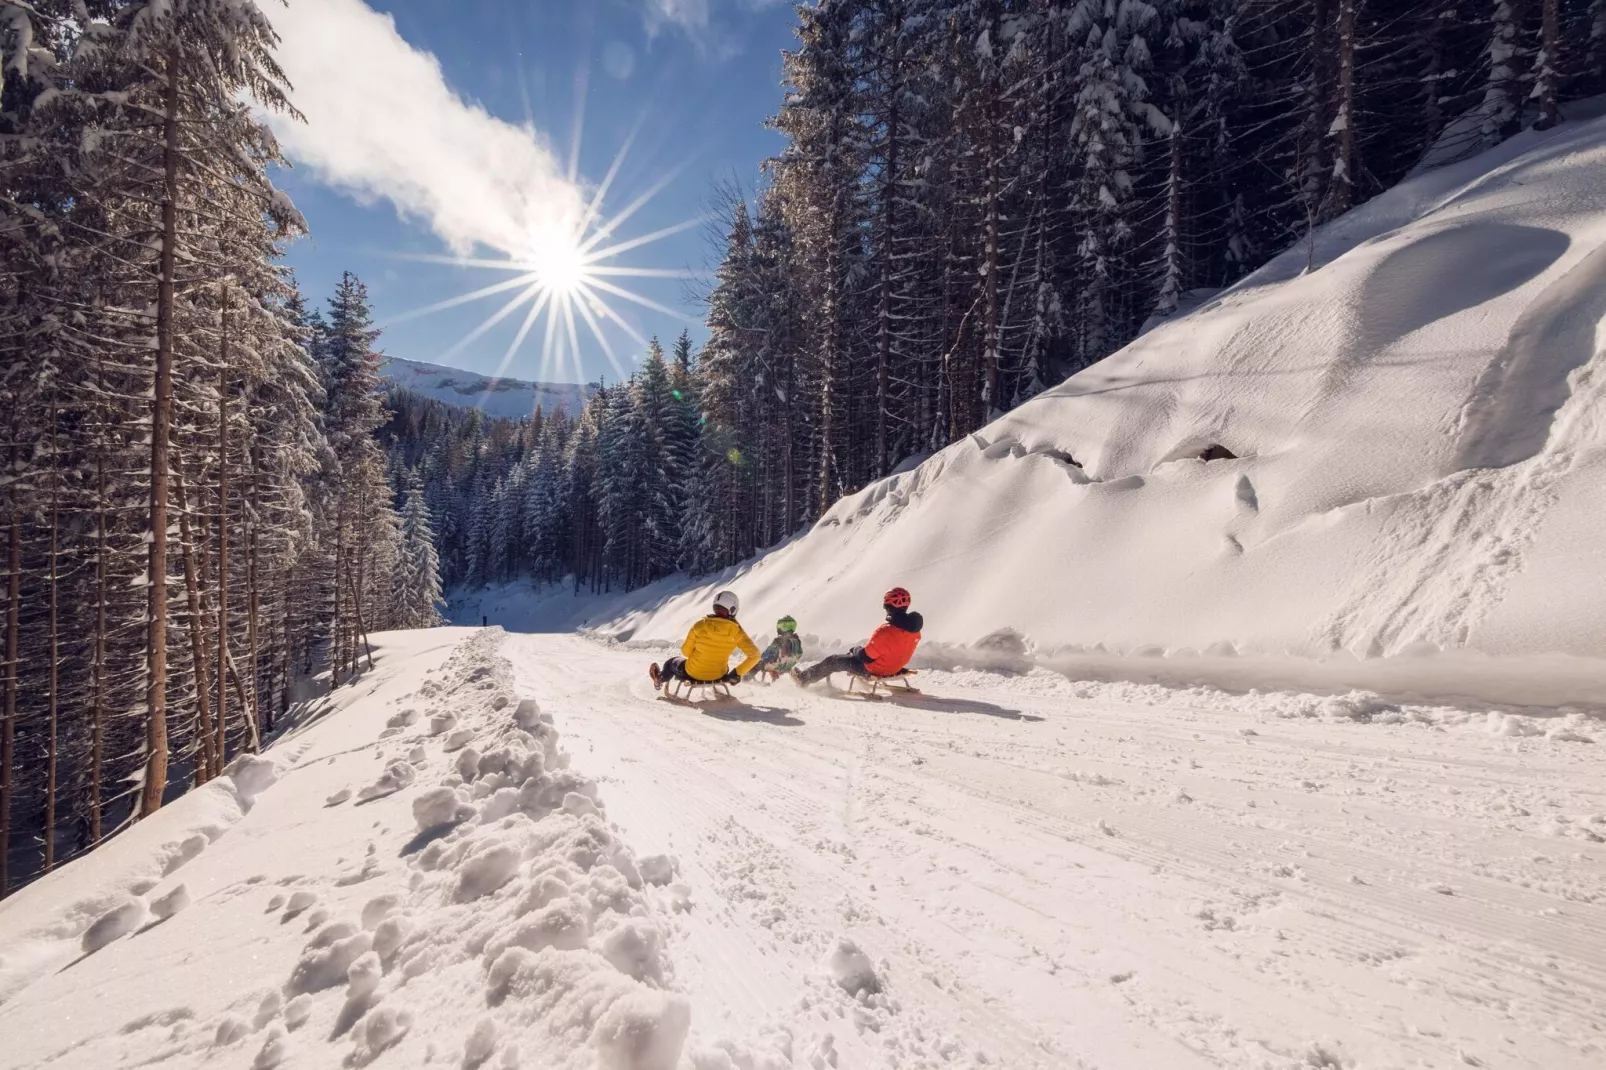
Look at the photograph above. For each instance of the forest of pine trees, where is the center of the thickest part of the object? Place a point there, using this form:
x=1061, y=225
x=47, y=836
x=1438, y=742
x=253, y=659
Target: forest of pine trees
x=196, y=512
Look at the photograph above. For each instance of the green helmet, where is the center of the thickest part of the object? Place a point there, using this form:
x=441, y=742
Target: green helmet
x=786, y=624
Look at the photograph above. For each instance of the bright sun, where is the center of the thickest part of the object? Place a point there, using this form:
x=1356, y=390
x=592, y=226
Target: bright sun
x=558, y=262
x=565, y=274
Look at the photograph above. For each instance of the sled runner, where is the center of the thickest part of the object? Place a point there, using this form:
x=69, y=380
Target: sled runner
x=677, y=689
x=876, y=686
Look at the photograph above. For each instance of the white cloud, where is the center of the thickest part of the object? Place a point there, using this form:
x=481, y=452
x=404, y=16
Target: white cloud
x=382, y=124
x=691, y=15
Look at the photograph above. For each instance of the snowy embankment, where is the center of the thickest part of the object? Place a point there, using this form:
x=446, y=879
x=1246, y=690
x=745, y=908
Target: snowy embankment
x=420, y=872
x=1406, y=421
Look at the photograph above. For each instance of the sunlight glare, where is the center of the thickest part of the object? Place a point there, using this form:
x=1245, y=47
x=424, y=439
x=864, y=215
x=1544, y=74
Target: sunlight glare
x=561, y=269
x=557, y=262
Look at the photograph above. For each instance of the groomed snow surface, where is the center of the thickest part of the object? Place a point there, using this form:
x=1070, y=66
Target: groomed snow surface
x=1009, y=871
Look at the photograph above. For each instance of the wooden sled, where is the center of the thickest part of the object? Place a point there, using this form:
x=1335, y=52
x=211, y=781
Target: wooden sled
x=878, y=686
x=677, y=689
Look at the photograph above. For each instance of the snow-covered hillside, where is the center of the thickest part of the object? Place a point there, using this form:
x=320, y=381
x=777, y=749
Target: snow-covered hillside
x=1408, y=426
x=495, y=397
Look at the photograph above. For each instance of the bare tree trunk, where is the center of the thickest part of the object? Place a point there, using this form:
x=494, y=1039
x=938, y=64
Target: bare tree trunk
x=990, y=328
x=361, y=558
x=223, y=537
x=52, y=742
x=287, y=655
x=208, y=764
x=252, y=601
x=253, y=738
x=336, y=633
x=97, y=726
x=161, y=419
x=8, y=728
x=357, y=602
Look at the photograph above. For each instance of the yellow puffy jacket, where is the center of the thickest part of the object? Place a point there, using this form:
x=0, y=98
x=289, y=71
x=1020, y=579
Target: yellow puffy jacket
x=708, y=648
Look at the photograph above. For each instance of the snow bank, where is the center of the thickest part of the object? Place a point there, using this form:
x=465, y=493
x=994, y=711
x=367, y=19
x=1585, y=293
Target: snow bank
x=494, y=917
x=1412, y=461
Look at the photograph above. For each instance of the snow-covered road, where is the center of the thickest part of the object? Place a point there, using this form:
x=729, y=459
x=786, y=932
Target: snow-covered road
x=1058, y=874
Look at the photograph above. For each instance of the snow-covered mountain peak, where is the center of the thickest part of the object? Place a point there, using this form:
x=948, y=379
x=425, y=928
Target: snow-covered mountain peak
x=513, y=398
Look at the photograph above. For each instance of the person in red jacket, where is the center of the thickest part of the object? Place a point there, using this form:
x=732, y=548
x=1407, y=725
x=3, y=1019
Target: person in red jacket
x=887, y=652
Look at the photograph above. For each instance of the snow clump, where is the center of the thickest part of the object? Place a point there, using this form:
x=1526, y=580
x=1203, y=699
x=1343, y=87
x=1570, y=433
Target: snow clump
x=120, y=920
x=851, y=968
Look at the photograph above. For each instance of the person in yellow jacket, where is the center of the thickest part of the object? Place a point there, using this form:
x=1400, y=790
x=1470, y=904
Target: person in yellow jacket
x=708, y=648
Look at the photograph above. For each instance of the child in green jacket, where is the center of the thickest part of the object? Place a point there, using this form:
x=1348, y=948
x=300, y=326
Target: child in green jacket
x=783, y=653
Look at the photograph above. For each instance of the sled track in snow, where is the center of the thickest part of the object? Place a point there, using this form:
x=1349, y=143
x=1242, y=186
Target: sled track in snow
x=1117, y=885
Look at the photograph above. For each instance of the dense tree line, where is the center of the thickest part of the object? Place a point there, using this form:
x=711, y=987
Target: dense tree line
x=979, y=197
x=194, y=509
x=614, y=496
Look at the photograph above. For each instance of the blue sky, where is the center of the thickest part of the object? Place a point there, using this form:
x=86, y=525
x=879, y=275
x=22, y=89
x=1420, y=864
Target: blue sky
x=695, y=80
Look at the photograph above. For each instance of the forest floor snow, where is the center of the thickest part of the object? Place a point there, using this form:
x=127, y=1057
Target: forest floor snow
x=1008, y=871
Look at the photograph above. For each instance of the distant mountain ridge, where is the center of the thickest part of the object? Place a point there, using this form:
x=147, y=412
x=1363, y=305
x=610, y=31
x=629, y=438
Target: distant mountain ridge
x=513, y=398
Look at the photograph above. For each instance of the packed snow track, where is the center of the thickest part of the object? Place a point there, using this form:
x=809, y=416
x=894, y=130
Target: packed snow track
x=1043, y=873
x=504, y=852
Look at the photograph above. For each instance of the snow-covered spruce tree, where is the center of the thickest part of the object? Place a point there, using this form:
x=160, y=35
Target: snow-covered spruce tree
x=416, y=592
x=664, y=454
x=359, y=520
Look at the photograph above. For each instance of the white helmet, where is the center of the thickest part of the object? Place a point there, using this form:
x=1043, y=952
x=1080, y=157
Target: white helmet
x=727, y=601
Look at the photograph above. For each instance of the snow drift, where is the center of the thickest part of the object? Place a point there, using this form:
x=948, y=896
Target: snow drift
x=1387, y=442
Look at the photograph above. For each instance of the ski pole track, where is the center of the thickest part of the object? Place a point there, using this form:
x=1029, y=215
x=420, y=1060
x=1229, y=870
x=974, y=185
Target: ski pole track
x=1305, y=862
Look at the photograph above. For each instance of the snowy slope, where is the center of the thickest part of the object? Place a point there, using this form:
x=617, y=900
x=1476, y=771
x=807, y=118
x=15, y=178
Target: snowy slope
x=496, y=397
x=1419, y=436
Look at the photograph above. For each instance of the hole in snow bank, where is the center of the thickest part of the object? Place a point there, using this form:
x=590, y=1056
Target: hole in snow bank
x=1197, y=449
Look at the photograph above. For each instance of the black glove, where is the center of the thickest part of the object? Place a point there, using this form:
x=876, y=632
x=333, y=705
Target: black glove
x=732, y=677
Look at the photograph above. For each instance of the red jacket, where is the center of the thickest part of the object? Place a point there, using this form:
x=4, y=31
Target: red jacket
x=892, y=645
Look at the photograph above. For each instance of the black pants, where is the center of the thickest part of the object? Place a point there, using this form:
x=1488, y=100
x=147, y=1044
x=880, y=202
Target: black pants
x=853, y=661
x=675, y=669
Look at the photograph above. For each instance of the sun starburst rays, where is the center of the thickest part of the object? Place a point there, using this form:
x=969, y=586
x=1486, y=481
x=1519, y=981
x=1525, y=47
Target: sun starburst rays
x=565, y=270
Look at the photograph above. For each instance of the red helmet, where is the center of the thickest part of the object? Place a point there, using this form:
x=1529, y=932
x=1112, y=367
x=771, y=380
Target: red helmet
x=898, y=598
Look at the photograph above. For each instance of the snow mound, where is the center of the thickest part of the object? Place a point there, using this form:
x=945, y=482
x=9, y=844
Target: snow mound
x=851, y=969
x=493, y=918
x=1398, y=455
